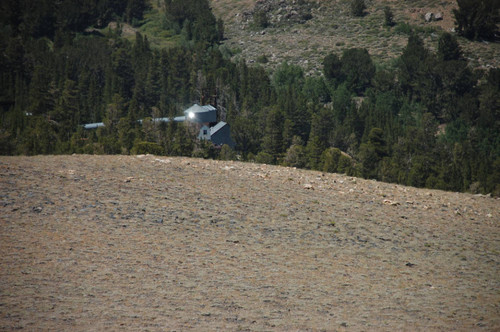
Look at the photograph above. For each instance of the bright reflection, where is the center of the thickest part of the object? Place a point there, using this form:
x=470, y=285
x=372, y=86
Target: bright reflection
x=191, y=115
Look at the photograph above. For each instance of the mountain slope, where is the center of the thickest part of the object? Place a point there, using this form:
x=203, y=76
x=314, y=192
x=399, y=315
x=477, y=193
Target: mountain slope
x=332, y=28
x=156, y=243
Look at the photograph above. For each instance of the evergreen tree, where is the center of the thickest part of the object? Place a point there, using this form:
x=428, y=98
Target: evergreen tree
x=411, y=61
x=316, y=91
x=294, y=109
x=372, y=152
x=272, y=142
x=342, y=103
x=314, y=149
x=126, y=135
x=196, y=17
x=66, y=112
x=332, y=67
x=183, y=142
x=417, y=75
x=477, y=19
x=246, y=135
x=357, y=68
x=41, y=99
x=322, y=124
x=288, y=76
x=295, y=155
x=448, y=48
x=135, y=10
x=330, y=160
x=489, y=98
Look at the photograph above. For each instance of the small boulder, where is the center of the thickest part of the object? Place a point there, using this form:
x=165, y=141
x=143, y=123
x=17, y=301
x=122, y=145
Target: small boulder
x=308, y=186
x=389, y=202
x=438, y=16
x=428, y=17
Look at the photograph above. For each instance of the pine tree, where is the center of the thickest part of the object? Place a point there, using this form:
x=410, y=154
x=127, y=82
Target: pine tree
x=332, y=67
x=372, y=152
x=314, y=149
x=448, y=48
x=272, y=142
x=357, y=68
x=330, y=160
x=296, y=155
x=135, y=10
x=477, y=19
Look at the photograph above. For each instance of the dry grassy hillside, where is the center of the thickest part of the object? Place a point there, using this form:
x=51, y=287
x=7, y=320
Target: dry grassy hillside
x=333, y=29
x=164, y=244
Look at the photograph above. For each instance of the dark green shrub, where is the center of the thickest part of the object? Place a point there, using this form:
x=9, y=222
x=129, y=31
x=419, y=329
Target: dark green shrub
x=295, y=156
x=264, y=158
x=389, y=16
x=148, y=148
x=403, y=28
x=330, y=160
x=358, y=7
x=226, y=153
x=262, y=59
x=260, y=19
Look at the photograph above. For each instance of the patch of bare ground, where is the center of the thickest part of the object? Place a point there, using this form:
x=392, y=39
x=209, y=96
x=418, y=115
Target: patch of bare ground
x=159, y=243
x=333, y=29
x=126, y=29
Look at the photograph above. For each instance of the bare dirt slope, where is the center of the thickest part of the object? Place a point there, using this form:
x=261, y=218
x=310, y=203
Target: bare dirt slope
x=157, y=243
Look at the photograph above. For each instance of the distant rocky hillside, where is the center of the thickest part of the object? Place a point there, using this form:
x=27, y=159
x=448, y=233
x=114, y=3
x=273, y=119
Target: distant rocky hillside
x=304, y=31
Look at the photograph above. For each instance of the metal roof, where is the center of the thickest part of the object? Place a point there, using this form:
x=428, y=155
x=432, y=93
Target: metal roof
x=207, y=111
x=200, y=109
x=93, y=125
x=176, y=119
x=195, y=109
x=217, y=127
x=200, y=114
x=209, y=108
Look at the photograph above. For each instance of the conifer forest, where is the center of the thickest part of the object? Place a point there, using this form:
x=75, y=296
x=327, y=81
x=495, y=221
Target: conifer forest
x=426, y=119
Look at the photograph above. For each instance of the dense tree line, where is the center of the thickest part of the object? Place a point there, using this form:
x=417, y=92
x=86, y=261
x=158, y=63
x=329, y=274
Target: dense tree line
x=47, y=18
x=196, y=19
x=427, y=121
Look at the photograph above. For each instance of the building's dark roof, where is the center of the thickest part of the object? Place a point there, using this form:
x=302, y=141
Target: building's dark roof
x=217, y=127
x=220, y=134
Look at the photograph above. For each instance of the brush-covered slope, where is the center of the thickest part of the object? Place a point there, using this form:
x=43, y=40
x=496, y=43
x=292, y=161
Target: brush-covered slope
x=304, y=31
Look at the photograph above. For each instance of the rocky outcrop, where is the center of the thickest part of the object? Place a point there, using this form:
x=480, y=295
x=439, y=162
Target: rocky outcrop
x=430, y=17
x=283, y=12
